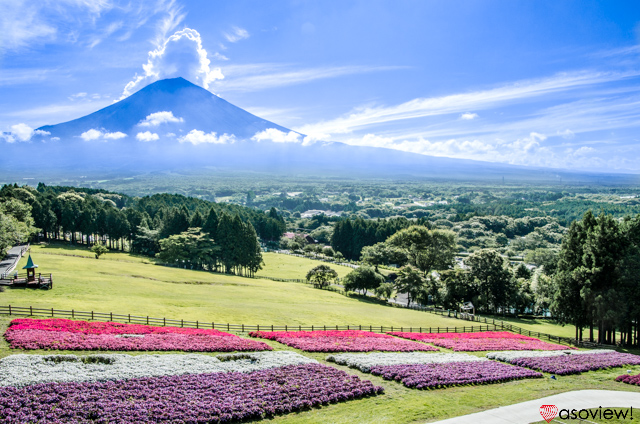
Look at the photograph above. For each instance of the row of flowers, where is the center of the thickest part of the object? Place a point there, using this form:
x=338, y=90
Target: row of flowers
x=364, y=362
x=510, y=355
x=475, y=342
x=24, y=370
x=53, y=334
x=434, y=376
x=95, y=327
x=629, y=379
x=570, y=363
x=433, y=370
x=194, y=398
x=342, y=341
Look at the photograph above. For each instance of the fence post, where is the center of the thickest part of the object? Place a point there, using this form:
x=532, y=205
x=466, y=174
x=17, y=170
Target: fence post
x=72, y=314
x=243, y=328
x=164, y=321
x=196, y=323
x=111, y=316
x=91, y=315
x=147, y=319
x=31, y=310
x=51, y=311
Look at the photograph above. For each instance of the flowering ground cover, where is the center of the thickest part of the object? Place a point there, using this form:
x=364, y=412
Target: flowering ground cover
x=364, y=362
x=440, y=375
x=66, y=334
x=569, y=362
x=194, y=398
x=342, y=341
x=629, y=379
x=481, y=341
x=23, y=370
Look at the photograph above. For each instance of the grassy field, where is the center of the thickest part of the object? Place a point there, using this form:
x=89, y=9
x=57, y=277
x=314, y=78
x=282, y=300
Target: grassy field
x=125, y=284
x=287, y=266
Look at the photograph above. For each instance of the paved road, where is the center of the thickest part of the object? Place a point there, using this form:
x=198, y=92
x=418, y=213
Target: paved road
x=529, y=412
x=12, y=257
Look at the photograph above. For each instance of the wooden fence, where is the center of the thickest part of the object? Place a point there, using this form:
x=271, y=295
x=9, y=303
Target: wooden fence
x=164, y=322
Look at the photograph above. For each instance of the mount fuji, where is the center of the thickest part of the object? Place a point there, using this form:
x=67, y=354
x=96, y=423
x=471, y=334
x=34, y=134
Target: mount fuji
x=173, y=124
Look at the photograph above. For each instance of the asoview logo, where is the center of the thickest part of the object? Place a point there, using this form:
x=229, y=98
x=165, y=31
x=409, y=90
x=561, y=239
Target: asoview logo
x=549, y=412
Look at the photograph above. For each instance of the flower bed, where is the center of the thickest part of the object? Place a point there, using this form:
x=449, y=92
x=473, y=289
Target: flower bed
x=63, y=334
x=23, y=370
x=565, y=364
x=440, y=375
x=364, y=362
x=474, y=342
x=510, y=355
x=199, y=398
x=629, y=379
x=342, y=341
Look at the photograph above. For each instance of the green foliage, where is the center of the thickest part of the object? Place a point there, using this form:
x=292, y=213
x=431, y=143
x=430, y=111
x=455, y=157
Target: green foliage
x=363, y=278
x=410, y=281
x=426, y=249
x=16, y=224
x=322, y=275
x=191, y=248
x=384, y=291
x=495, y=282
x=99, y=249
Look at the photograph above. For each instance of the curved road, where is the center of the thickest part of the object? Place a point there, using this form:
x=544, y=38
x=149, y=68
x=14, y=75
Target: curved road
x=529, y=412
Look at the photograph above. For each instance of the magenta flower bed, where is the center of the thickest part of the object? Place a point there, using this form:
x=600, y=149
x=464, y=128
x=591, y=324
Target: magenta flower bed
x=195, y=398
x=342, y=341
x=629, y=379
x=62, y=334
x=575, y=364
x=475, y=342
x=440, y=375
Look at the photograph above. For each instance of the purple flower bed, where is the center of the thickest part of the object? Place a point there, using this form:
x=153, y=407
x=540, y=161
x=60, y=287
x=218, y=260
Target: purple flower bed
x=575, y=364
x=440, y=375
x=195, y=398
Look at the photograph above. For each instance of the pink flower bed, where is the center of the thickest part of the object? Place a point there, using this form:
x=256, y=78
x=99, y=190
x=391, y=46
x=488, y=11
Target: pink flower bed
x=63, y=334
x=475, y=342
x=629, y=379
x=342, y=341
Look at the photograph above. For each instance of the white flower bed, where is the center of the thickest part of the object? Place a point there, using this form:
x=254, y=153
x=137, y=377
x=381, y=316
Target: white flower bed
x=24, y=370
x=364, y=362
x=509, y=355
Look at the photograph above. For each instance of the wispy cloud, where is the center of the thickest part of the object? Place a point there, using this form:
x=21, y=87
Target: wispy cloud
x=236, y=34
x=255, y=77
x=459, y=103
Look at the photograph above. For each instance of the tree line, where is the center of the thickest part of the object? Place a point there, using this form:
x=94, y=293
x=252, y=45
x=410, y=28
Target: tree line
x=207, y=235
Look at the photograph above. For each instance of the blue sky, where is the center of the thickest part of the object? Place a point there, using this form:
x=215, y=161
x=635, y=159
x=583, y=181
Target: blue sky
x=540, y=83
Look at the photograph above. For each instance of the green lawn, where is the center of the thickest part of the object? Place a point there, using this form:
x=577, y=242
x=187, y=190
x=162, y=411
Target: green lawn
x=125, y=284
x=287, y=266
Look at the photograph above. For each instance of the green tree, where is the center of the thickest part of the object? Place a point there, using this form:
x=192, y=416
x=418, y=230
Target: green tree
x=363, y=278
x=494, y=280
x=322, y=275
x=426, y=249
x=99, y=249
x=410, y=281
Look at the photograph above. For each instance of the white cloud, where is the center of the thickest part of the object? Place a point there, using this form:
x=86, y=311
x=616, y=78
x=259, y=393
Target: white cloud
x=77, y=96
x=468, y=116
x=170, y=21
x=196, y=137
x=459, y=103
x=566, y=134
x=91, y=134
x=157, y=118
x=147, y=136
x=94, y=134
x=262, y=76
x=181, y=55
x=22, y=132
x=114, y=135
x=55, y=138
x=236, y=34
x=277, y=136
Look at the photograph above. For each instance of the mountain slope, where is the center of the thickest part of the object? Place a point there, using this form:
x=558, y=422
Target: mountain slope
x=196, y=107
